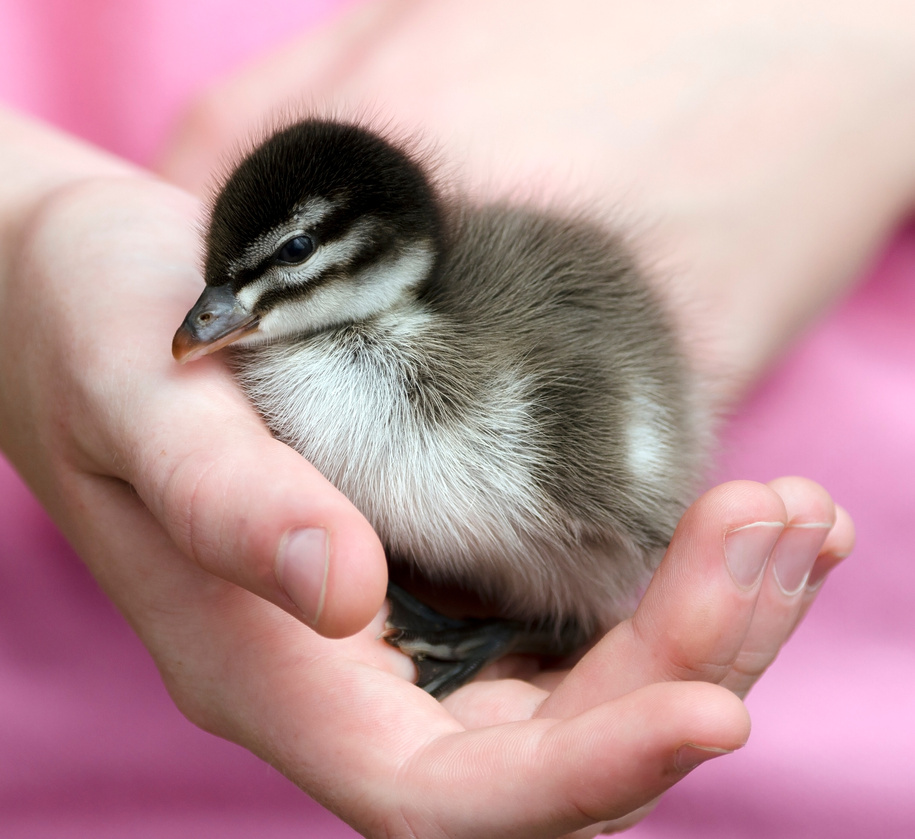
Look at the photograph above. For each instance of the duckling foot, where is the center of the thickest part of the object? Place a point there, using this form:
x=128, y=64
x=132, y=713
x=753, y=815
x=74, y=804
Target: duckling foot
x=449, y=652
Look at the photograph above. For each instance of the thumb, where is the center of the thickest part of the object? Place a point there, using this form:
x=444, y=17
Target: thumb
x=252, y=511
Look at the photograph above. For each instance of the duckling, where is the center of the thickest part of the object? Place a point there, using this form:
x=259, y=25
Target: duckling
x=494, y=387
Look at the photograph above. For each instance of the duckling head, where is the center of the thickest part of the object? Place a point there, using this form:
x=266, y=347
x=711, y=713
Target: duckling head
x=322, y=225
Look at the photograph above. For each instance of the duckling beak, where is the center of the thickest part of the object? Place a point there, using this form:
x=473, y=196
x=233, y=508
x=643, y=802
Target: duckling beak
x=215, y=320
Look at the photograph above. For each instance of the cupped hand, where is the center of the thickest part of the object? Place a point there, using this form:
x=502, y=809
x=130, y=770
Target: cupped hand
x=178, y=499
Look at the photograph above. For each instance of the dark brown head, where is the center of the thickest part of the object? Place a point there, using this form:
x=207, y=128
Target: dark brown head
x=323, y=224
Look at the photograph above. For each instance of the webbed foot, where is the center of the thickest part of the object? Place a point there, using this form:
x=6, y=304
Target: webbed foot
x=449, y=652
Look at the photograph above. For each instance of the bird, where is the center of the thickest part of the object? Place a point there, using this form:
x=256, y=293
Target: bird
x=495, y=386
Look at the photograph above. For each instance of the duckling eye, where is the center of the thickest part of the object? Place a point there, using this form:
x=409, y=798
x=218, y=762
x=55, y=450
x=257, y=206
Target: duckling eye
x=295, y=251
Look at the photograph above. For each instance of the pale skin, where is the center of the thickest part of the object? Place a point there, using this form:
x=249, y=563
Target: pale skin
x=178, y=499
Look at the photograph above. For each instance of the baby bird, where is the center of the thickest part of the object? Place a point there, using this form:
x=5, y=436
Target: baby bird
x=495, y=388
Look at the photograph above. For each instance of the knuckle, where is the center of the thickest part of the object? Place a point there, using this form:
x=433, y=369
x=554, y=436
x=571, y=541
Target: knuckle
x=750, y=665
x=184, y=504
x=685, y=663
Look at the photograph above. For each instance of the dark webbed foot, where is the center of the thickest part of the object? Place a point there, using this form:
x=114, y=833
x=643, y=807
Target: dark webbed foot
x=449, y=652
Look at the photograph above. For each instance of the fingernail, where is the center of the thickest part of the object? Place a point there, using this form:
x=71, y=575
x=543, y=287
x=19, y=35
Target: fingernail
x=795, y=554
x=301, y=568
x=688, y=757
x=747, y=548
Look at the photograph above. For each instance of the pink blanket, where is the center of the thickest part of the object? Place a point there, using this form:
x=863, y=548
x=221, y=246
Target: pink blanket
x=90, y=744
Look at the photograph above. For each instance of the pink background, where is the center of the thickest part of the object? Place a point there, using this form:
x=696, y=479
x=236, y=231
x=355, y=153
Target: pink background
x=90, y=744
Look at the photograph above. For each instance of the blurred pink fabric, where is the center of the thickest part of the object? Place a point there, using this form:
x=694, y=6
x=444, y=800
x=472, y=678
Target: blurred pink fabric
x=91, y=745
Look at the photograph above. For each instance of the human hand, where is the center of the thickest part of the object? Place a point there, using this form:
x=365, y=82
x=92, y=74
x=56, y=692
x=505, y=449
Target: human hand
x=177, y=498
x=762, y=150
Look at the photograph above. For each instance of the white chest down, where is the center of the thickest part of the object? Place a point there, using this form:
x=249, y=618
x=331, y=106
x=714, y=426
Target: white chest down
x=459, y=493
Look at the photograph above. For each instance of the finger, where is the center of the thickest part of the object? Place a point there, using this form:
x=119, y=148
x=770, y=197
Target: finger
x=811, y=516
x=838, y=546
x=549, y=778
x=694, y=617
